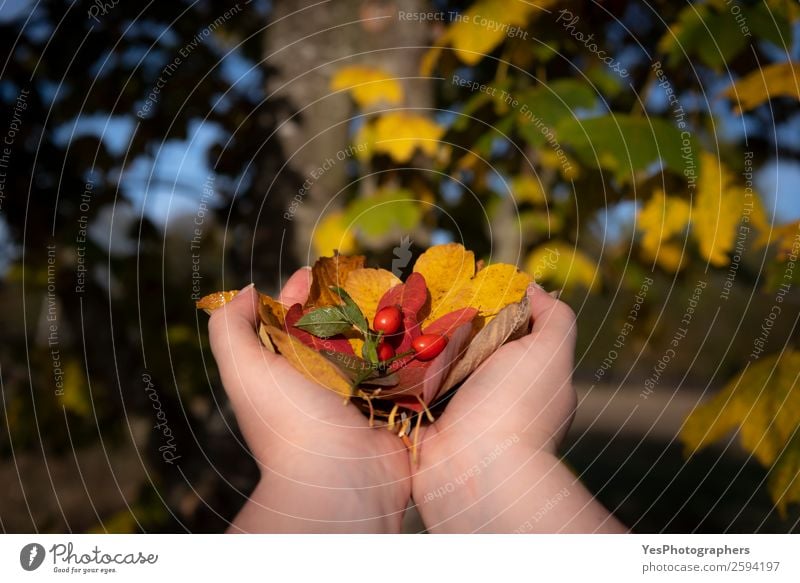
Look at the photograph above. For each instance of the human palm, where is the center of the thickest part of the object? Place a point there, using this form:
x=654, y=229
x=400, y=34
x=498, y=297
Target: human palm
x=303, y=436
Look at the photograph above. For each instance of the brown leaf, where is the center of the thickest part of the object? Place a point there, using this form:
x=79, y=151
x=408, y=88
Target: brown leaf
x=271, y=312
x=309, y=362
x=511, y=321
x=328, y=271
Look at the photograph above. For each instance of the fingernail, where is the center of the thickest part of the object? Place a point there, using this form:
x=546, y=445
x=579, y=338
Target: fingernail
x=555, y=294
x=247, y=287
x=533, y=286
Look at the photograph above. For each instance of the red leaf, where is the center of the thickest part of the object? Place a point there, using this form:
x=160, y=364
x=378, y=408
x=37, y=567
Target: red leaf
x=447, y=324
x=425, y=379
x=336, y=343
x=411, y=297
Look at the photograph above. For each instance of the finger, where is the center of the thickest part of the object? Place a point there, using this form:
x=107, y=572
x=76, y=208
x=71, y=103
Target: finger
x=552, y=319
x=297, y=287
x=232, y=332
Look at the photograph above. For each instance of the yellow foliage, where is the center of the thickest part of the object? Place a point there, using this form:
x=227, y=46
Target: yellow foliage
x=481, y=28
x=368, y=85
x=783, y=481
x=555, y=160
x=777, y=80
x=659, y=220
x=528, y=189
x=563, y=266
x=332, y=233
x=398, y=134
x=445, y=269
x=75, y=397
x=718, y=206
x=763, y=402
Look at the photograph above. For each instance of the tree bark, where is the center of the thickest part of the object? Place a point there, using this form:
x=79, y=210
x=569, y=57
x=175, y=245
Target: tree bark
x=307, y=46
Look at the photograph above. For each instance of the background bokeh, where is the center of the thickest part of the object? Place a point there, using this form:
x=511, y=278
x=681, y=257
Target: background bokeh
x=643, y=157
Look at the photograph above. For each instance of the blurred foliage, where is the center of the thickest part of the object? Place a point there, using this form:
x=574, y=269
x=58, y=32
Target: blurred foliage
x=530, y=121
x=532, y=141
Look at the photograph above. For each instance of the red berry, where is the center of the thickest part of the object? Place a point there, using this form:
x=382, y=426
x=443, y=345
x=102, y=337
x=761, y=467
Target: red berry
x=385, y=351
x=387, y=320
x=428, y=346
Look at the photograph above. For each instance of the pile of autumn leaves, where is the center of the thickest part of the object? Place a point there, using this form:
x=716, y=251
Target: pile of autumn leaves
x=390, y=345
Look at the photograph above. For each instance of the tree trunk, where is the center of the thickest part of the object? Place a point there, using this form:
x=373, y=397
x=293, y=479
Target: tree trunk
x=307, y=46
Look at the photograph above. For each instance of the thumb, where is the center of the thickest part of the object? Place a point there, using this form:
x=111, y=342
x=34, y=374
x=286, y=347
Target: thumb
x=232, y=332
x=553, y=320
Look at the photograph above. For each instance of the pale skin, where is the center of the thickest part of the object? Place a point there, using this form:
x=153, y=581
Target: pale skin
x=488, y=464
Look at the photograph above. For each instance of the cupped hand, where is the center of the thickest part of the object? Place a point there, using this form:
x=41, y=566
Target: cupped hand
x=323, y=469
x=489, y=462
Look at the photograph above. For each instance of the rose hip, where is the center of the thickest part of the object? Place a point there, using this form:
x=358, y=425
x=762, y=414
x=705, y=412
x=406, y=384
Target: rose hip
x=387, y=320
x=428, y=346
x=385, y=351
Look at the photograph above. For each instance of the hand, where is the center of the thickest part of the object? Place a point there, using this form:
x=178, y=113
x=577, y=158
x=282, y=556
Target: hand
x=489, y=463
x=323, y=469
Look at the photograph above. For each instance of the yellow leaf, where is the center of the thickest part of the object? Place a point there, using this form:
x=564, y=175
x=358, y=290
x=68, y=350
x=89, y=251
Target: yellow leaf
x=528, y=189
x=660, y=219
x=399, y=134
x=563, y=266
x=783, y=481
x=718, y=206
x=495, y=287
x=308, y=361
x=366, y=286
x=333, y=233
x=763, y=401
x=559, y=160
x=668, y=255
x=485, y=25
x=364, y=142
x=446, y=268
x=777, y=80
x=75, y=396
x=368, y=85
x=453, y=284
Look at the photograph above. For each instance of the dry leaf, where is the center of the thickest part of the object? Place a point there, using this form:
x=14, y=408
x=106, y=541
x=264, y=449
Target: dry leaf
x=511, y=321
x=215, y=301
x=311, y=363
x=328, y=271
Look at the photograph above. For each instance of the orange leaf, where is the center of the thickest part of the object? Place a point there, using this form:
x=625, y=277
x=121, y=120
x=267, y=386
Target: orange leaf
x=309, y=362
x=328, y=271
x=216, y=300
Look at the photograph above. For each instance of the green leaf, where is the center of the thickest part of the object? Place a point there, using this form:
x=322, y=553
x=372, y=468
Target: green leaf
x=783, y=481
x=777, y=31
x=389, y=380
x=384, y=212
x=325, y=322
x=544, y=107
x=714, y=37
x=763, y=402
x=623, y=144
x=350, y=310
